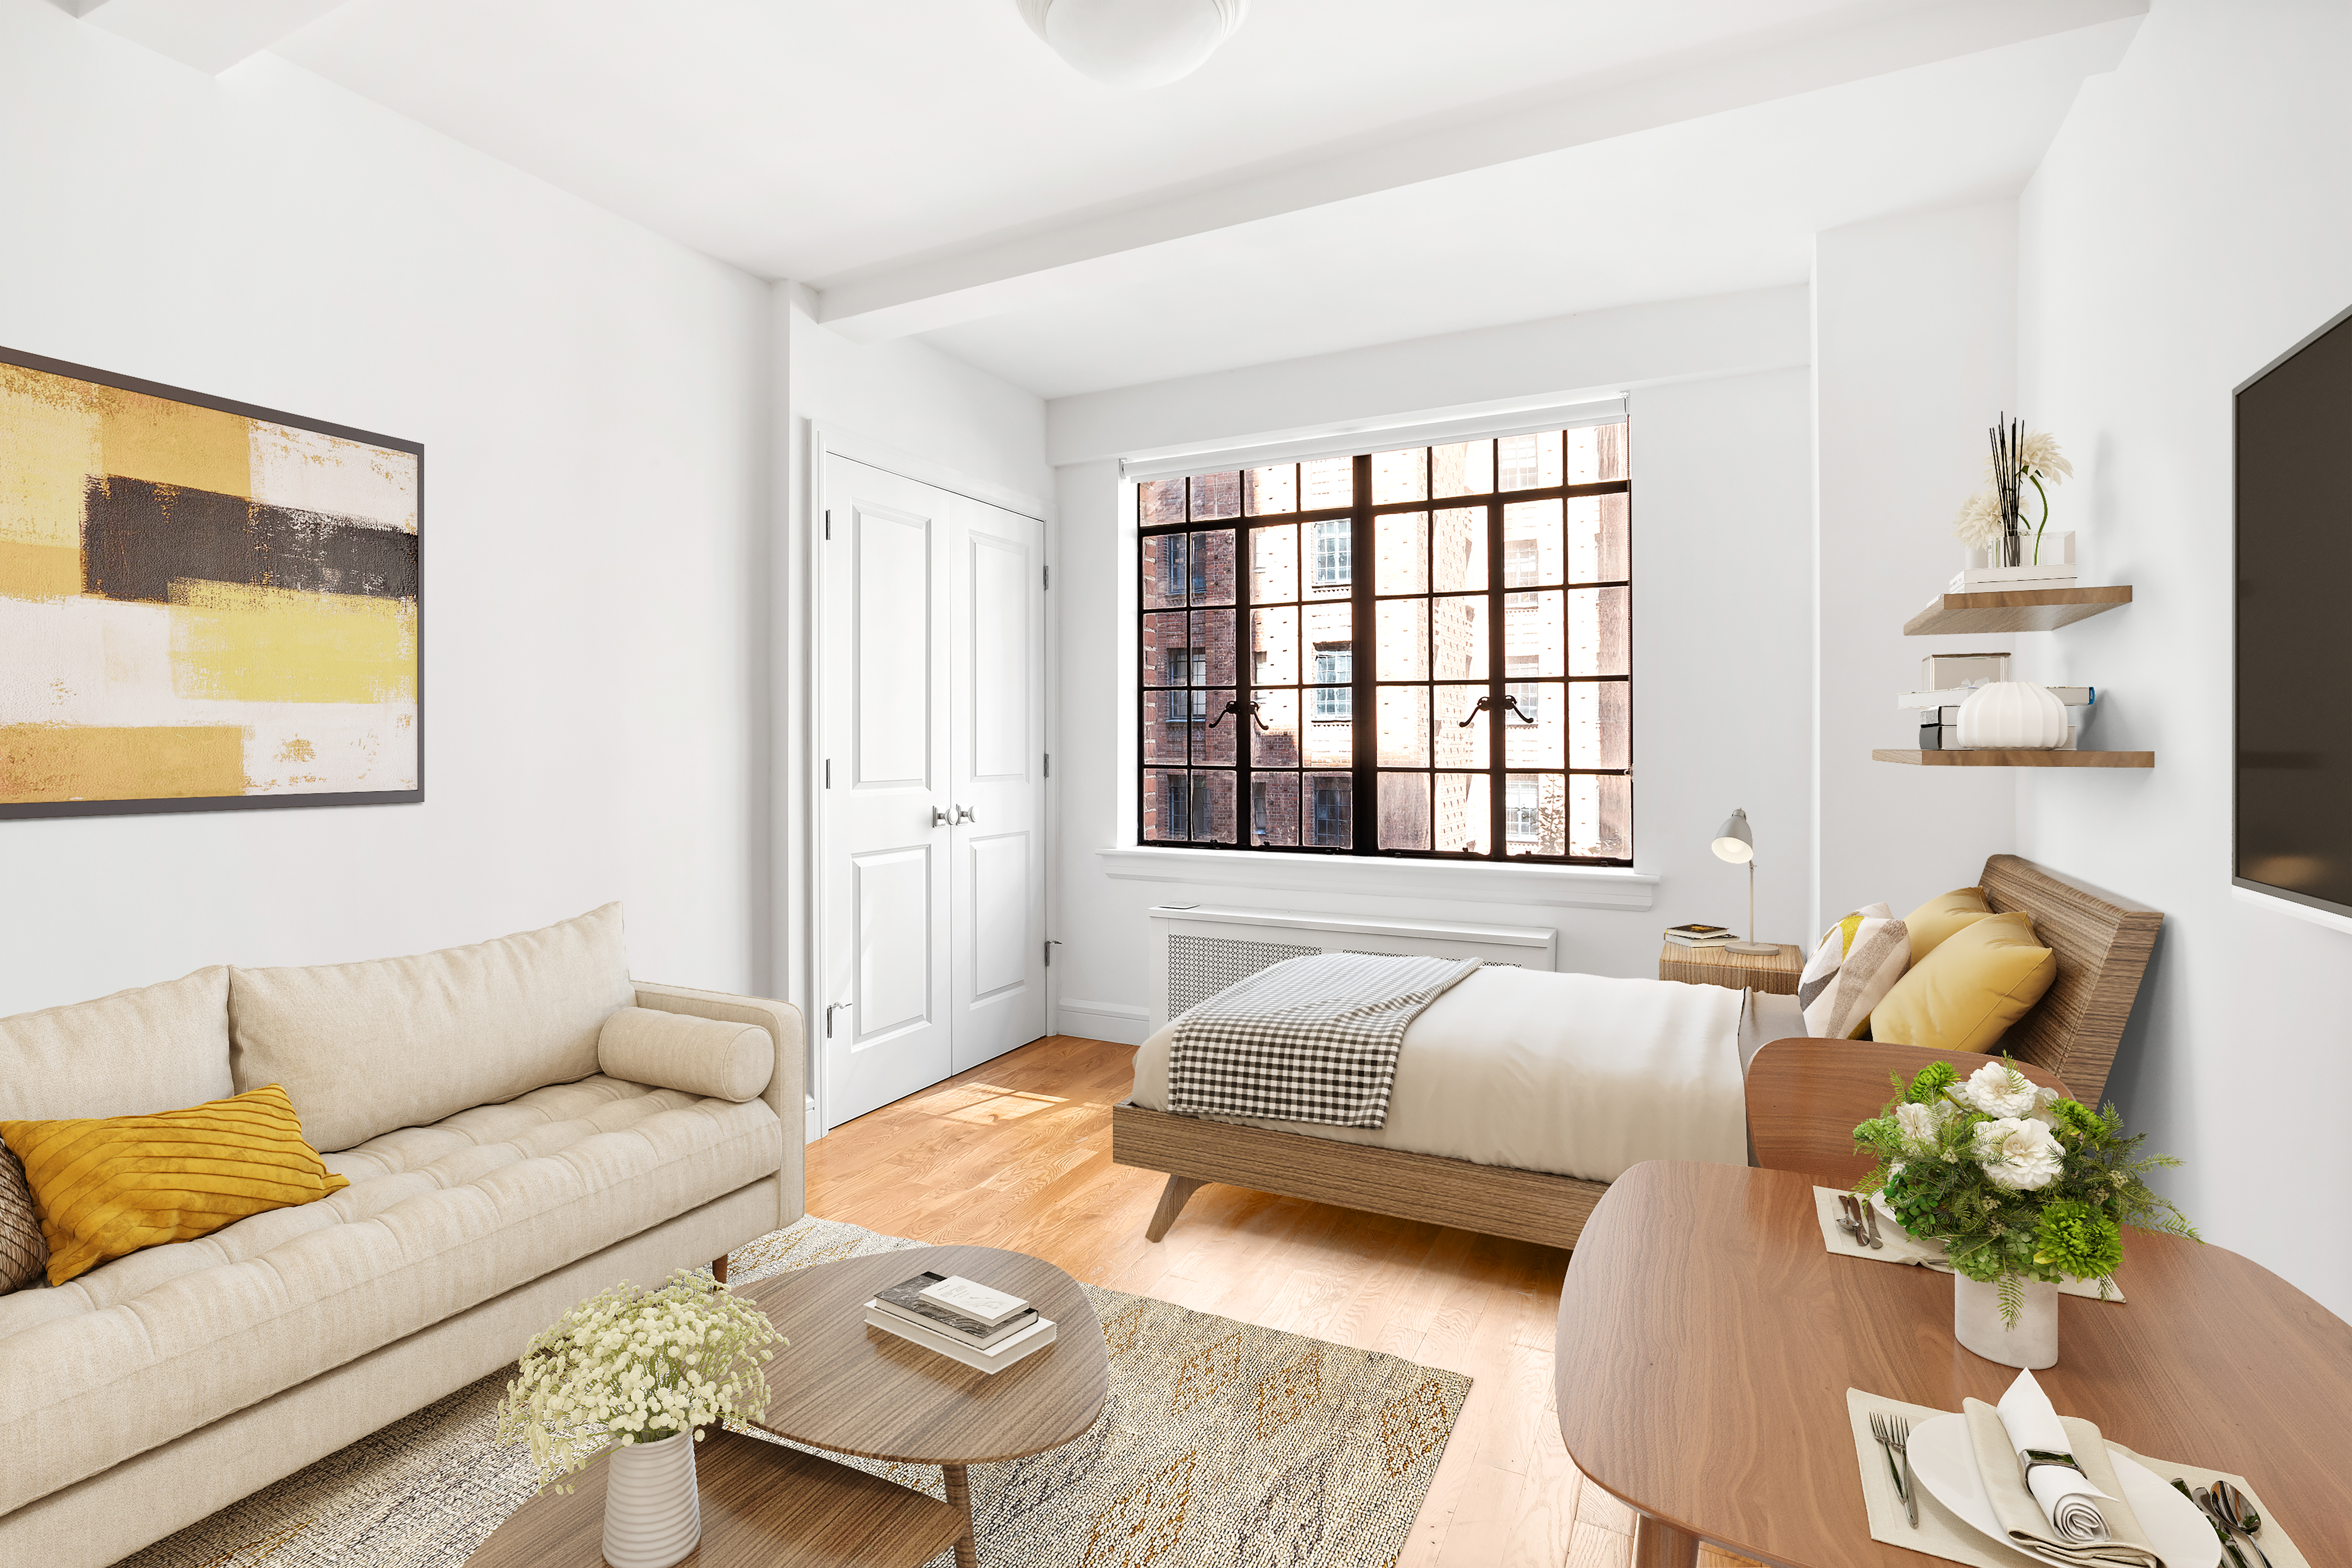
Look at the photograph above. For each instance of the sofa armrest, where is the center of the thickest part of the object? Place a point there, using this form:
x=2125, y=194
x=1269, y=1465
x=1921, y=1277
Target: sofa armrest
x=786, y=1094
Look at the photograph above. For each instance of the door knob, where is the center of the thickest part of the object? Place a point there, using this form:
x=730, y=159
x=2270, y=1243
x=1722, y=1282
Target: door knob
x=963, y=814
x=939, y=817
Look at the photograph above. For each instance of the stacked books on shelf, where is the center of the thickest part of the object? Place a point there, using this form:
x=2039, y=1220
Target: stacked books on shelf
x=1699, y=936
x=961, y=1318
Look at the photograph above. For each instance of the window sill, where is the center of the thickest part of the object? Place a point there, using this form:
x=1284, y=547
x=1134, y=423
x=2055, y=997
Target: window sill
x=1569, y=887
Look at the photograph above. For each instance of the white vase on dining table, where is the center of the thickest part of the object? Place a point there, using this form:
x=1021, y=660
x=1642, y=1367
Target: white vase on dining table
x=1978, y=1325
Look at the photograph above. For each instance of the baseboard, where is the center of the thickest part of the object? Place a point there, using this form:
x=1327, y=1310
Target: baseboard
x=1114, y=1021
x=813, y=1125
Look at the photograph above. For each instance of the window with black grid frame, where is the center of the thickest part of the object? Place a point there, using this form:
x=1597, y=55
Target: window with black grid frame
x=1423, y=652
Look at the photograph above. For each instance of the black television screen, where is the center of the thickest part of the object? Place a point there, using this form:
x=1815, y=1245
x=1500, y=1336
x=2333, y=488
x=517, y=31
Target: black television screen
x=2293, y=827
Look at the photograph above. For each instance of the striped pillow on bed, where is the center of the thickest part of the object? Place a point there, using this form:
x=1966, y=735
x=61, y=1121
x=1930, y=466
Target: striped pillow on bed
x=1857, y=963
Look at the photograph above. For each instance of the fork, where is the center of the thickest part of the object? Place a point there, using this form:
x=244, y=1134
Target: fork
x=1893, y=1432
x=1902, y=1445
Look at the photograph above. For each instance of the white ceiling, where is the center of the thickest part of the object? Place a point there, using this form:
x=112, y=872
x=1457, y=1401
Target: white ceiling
x=1343, y=172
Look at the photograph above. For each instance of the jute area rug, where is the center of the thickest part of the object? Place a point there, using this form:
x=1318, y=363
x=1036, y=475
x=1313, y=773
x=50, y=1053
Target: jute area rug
x=1220, y=1444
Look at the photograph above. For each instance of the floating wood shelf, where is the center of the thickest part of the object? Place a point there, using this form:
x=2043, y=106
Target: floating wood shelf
x=2018, y=758
x=2018, y=610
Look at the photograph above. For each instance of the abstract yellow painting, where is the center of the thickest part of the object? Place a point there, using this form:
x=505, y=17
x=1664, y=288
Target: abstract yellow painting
x=203, y=604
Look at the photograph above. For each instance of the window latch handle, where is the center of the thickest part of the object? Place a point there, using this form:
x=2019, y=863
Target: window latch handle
x=1486, y=703
x=1237, y=706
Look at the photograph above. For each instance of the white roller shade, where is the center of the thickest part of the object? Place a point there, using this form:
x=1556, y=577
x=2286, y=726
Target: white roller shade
x=1346, y=443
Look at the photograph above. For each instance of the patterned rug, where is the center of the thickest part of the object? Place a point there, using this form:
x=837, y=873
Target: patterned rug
x=1220, y=1444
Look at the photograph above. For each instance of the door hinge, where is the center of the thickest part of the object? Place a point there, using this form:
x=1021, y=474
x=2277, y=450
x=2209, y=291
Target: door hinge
x=1049, y=577
x=1050, y=946
x=828, y=773
x=828, y=523
x=1049, y=764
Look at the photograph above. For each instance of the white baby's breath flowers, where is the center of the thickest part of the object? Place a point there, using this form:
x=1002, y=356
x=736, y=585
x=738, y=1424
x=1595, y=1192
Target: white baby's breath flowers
x=1998, y=1089
x=630, y=1366
x=2023, y=1156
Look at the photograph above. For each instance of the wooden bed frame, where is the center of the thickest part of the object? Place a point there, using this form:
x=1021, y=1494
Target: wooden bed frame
x=2102, y=945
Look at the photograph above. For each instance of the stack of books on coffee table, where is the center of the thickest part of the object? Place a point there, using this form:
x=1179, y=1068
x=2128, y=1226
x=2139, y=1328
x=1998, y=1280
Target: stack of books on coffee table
x=961, y=1318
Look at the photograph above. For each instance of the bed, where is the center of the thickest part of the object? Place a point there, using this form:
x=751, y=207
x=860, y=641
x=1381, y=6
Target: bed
x=2102, y=944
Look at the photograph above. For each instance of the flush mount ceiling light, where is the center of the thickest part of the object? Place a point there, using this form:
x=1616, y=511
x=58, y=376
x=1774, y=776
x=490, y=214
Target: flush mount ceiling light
x=1134, y=43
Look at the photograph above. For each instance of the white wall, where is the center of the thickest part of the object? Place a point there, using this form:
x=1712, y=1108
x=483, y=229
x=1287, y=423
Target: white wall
x=1914, y=333
x=2190, y=223
x=589, y=397
x=1722, y=521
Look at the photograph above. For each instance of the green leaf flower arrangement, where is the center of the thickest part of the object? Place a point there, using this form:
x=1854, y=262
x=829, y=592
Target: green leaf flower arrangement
x=2016, y=1183
x=636, y=1366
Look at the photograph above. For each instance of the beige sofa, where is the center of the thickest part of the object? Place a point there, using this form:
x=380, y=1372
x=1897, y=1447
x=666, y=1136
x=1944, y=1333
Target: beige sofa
x=497, y=1175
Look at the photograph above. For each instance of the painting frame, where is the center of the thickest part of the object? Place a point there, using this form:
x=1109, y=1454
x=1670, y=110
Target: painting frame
x=175, y=804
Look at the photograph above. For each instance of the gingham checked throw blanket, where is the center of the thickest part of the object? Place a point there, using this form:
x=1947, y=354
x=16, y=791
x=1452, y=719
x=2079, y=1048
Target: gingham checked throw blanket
x=1310, y=1039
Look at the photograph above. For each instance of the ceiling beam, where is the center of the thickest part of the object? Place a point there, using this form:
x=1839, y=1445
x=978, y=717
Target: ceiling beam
x=209, y=35
x=1120, y=242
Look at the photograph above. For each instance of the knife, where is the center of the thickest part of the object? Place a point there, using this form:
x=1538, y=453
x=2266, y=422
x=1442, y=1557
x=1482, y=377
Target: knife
x=1870, y=1213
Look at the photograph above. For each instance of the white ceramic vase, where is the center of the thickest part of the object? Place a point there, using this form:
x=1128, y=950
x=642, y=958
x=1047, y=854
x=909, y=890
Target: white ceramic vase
x=2012, y=715
x=1977, y=1323
x=652, y=1512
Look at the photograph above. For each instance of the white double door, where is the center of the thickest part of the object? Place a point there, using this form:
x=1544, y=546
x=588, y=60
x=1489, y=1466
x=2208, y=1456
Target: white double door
x=931, y=667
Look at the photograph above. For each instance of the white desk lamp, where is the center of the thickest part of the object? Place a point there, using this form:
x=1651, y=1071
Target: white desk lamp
x=1734, y=843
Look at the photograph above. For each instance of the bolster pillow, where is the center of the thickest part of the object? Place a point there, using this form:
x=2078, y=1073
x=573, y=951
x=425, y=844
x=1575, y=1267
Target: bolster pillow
x=694, y=1056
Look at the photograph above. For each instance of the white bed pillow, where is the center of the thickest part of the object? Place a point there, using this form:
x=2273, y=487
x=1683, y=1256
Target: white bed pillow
x=1856, y=964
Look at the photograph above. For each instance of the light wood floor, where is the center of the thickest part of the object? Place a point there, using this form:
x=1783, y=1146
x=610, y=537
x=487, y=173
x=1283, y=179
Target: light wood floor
x=1016, y=1154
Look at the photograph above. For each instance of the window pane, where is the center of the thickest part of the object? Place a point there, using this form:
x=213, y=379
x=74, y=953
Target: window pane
x=1274, y=810
x=1215, y=732
x=1211, y=567
x=1166, y=805
x=1597, y=549
x=1535, y=813
x=1404, y=735
x=1216, y=495
x=1214, y=819
x=1400, y=476
x=1159, y=501
x=1404, y=811
x=1600, y=726
x=1535, y=635
x=1602, y=817
x=1327, y=810
x=1330, y=546
x=1165, y=727
x=1402, y=639
x=1275, y=745
x=1167, y=651
x=1274, y=564
x=1528, y=462
x=1270, y=490
x=1330, y=738
x=1460, y=746
x=1531, y=544
x=1596, y=453
x=1401, y=546
x=1325, y=483
x=1464, y=818
x=1458, y=552
x=1213, y=648
x=1465, y=469
x=1597, y=631
x=1542, y=744
x=1273, y=647
x=1458, y=638
x=1166, y=579
x=1330, y=628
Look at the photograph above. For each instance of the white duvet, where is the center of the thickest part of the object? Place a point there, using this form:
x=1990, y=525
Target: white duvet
x=1574, y=1074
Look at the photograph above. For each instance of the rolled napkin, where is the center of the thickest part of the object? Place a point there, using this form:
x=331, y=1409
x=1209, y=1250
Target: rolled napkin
x=2049, y=1518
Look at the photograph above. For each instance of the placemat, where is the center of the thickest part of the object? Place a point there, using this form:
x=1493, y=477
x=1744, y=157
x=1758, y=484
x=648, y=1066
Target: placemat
x=1903, y=1247
x=1942, y=1534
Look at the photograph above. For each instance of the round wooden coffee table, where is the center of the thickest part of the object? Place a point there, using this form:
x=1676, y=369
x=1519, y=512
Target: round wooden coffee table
x=849, y=1388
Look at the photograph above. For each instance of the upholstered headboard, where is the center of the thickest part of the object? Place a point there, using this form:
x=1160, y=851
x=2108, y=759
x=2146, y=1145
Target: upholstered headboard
x=2102, y=944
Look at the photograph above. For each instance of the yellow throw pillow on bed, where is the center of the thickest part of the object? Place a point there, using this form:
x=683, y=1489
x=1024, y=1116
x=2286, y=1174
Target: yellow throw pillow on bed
x=1965, y=994
x=1942, y=916
x=105, y=1188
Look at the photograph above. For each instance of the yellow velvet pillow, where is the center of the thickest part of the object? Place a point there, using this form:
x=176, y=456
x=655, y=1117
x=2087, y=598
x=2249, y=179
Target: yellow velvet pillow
x=1940, y=916
x=1966, y=994
x=105, y=1188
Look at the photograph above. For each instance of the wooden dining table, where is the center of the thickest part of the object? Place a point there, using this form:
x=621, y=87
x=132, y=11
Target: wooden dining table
x=1707, y=1337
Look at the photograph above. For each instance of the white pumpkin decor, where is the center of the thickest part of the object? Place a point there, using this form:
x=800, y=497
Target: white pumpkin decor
x=2014, y=715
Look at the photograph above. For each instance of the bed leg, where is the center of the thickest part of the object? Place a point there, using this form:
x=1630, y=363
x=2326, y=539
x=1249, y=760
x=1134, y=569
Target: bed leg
x=1173, y=1199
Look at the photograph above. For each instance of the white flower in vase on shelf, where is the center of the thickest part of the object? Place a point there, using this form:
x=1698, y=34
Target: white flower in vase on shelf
x=1995, y=516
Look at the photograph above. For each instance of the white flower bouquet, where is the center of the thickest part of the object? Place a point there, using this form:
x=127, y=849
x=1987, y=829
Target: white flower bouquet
x=636, y=1366
x=2017, y=1183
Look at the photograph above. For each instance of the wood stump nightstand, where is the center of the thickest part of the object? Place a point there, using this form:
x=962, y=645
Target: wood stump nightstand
x=1775, y=973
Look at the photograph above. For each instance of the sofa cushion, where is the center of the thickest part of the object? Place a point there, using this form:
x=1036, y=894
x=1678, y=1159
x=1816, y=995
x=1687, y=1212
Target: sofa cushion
x=401, y=1042
x=678, y=1050
x=106, y=1187
x=436, y=1219
x=155, y=1048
